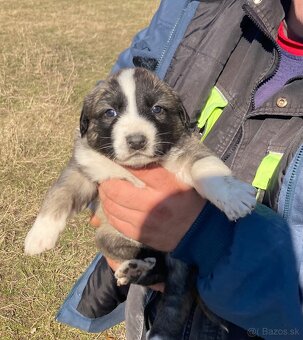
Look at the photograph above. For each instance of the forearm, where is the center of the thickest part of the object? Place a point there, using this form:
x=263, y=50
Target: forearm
x=247, y=269
x=207, y=240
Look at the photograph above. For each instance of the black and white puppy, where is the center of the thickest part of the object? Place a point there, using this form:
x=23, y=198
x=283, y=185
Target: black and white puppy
x=134, y=119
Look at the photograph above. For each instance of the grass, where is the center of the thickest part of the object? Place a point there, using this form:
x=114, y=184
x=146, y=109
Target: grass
x=52, y=53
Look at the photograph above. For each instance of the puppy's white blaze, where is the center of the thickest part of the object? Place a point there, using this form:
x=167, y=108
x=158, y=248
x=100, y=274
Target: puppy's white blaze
x=128, y=86
x=43, y=234
x=132, y=123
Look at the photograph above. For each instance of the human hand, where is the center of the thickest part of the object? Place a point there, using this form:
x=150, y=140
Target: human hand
x=157, y=215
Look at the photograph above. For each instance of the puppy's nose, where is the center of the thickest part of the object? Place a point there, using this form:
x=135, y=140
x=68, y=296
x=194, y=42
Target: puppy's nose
x=136, y=141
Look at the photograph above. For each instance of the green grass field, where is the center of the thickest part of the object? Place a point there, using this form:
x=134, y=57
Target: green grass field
x=52, y=54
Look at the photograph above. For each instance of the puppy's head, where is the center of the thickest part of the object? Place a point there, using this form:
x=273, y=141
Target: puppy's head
x=133, y=118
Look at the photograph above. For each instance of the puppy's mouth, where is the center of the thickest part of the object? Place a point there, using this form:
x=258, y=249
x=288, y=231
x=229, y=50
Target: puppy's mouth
x=137, y=159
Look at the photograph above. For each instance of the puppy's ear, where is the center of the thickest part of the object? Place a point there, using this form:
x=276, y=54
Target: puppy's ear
x=184, y=117
x=88, y=107
x=84, y=120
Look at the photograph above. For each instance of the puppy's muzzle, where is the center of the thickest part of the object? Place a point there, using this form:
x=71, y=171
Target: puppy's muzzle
x=136, y=142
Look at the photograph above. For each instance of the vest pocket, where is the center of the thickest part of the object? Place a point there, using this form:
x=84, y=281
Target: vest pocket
x=211, y=112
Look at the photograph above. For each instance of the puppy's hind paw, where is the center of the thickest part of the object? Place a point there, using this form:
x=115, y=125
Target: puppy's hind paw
x=132, y=270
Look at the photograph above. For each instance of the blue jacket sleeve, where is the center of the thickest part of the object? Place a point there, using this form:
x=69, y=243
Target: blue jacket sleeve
x=149, y=42
x=154, y=46
x=247, y=269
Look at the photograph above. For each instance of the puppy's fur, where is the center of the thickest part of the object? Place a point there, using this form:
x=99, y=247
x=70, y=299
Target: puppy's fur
x=134, y=119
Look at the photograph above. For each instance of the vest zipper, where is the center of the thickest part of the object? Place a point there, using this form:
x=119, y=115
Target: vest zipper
x=261, y=81
x=170, y=38
x=265, y=78
x=232, y=148
x=290, y=187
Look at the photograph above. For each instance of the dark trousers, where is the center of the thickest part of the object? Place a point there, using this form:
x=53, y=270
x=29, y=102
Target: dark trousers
x=141, y=307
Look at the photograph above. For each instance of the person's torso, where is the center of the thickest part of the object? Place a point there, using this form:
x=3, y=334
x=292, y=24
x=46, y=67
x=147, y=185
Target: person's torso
x=235, y=50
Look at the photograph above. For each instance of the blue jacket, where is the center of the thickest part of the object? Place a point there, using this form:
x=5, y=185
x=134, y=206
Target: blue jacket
x=249, y=270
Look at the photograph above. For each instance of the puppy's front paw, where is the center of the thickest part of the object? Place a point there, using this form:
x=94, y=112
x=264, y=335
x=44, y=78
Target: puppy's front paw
x=234, y=197
x=42, y=236
x=132, y=270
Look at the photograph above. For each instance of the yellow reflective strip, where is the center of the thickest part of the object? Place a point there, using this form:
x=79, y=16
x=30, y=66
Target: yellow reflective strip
x=266, y=169
x=211, y=121
x=211, y=111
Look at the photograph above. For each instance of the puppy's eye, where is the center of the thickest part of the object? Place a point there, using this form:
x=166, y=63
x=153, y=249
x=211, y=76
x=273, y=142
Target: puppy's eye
x=156, y=109
x=111, y=113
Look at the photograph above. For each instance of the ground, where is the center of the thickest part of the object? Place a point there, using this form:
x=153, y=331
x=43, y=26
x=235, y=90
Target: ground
x=52, y=54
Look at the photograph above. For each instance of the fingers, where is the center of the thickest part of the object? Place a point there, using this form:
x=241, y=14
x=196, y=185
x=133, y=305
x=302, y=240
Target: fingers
x=159, y=184
x=124, y=214
x=112, y=263
x=125, y=194
x=95, y=221
x=125, y=228
x=159, y=287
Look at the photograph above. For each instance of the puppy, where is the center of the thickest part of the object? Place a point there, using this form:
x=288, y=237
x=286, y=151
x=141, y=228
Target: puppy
x=134, y=119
